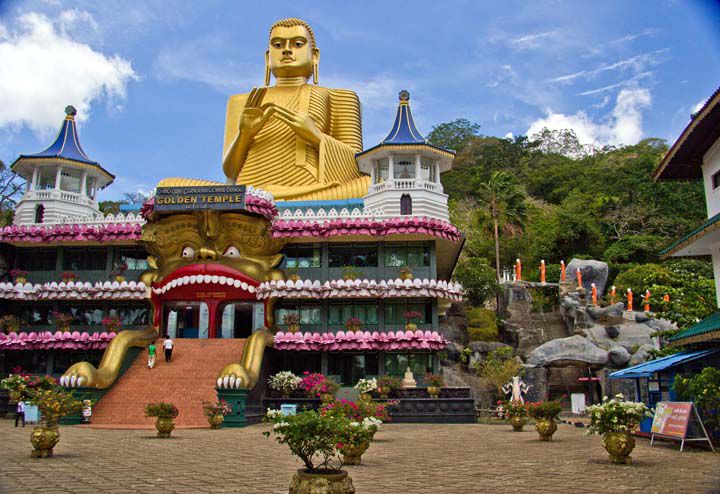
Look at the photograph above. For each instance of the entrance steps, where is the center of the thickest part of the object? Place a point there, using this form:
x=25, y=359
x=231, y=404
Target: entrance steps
x=185, y=382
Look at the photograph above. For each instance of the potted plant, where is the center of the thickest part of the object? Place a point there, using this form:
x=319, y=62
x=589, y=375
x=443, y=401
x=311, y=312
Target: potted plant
x=119, y=271
x=292, y=321
x=545, y=414
x=351, y=273
x=293, y=274
x=411, y=316
x=215, y=412
x=19, y=276
x=386, y=384
x=365, y=387
x=62, y=320
x=10, y=323
x=616, y=419
x=285, y=382
x=112, y=324
x=68, y=276
x=315, y=384
x=165, y=413
x=406, y=273
x=434, y=382
x=517, y=412
x=53, y=404
x=354, y=441
x=353, y=324
x=316, y=439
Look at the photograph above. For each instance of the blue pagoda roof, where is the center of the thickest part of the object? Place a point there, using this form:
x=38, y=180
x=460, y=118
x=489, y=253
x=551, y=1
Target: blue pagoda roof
x=403, y=130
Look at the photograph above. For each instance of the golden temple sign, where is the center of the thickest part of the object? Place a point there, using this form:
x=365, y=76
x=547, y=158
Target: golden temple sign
x=221, y=197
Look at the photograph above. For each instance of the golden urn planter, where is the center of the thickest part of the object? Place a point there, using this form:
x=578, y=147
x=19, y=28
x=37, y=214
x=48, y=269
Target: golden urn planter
x=216, y=421
x=545, y=428
x=164, y=427
x=44, y=440
x=383, y=392
x=20, y=279
x=619, y=445
x=366, y=397
x=433, y=391
x=321, y=483
x=353, y=454
x=410, y=326
x=517, y=422
x=120, y=279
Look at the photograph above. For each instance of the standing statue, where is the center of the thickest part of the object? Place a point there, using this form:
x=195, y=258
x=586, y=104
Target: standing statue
x=517, y=387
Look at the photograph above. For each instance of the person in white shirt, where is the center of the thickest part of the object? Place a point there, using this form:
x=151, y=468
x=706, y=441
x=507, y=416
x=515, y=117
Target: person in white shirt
x=168, y=345
x=20, y=413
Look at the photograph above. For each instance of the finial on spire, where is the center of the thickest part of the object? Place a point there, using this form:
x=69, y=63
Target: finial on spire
x=404, y=95
x=70, y=111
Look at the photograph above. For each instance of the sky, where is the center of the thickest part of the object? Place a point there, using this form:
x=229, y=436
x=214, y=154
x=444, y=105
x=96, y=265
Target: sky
x=150, y=79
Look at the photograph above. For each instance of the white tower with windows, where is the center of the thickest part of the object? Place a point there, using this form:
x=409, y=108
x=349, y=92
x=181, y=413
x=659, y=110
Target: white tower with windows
x=405, y=170
x=61, y=181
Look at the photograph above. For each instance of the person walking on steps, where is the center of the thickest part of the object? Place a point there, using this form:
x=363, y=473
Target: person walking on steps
x=168, y=345
x=151, y=355
x=20, y=413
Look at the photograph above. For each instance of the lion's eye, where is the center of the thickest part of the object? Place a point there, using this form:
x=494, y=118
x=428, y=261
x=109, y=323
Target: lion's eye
x=188, y=252
x=232, y=252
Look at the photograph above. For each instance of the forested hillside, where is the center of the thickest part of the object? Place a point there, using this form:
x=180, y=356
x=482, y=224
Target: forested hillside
x=575, y=202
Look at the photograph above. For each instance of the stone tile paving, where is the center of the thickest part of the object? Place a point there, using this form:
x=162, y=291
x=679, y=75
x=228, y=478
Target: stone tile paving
x=405, y=458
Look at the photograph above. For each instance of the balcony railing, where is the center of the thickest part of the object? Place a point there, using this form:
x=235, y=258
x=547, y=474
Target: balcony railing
x=406, y=184
x=62, y=195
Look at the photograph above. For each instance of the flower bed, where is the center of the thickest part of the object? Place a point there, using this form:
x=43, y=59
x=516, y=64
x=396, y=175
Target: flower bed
x=400, y=340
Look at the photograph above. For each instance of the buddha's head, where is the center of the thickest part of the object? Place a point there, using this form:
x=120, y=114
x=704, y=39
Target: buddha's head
x=292, y=51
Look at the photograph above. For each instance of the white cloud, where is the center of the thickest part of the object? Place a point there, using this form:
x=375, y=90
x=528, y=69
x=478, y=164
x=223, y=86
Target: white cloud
x=530, y=41
x=45, y=69
x=622, y=127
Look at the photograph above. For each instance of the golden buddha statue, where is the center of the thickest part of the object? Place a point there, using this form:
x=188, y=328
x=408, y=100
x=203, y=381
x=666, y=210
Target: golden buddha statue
x=295, y=140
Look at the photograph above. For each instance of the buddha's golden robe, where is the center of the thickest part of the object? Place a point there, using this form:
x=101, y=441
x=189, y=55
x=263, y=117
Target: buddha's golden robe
x=288, y=167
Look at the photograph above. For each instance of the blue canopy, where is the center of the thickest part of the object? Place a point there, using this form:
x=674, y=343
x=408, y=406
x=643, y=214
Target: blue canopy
x=66, y=144
x=404, y=130
x=647, y=369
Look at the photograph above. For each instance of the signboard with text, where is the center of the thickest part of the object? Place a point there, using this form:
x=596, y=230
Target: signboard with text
x=671, y=419
x=220, y=197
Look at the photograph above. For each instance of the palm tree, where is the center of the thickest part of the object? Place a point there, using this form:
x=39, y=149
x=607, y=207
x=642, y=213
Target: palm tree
x=504, y=201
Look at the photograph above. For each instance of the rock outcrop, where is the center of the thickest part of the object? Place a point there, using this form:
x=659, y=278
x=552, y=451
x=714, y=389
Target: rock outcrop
x=592, y=272
x=574, y=350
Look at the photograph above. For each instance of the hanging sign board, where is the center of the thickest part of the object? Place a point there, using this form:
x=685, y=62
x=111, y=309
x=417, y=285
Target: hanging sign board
x=678, y=420
x=220, y=197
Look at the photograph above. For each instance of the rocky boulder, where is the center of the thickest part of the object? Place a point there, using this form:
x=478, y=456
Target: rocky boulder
x=452, y=352
x=602, y=312
x=575, y=350
x=631, y=336
x=619, y=356
x=592, y=272
x=454, y=327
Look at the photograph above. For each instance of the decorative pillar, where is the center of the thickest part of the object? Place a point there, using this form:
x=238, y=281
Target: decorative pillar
x=33, y=183
x=58, y=177
x=83, y=183
x=372, y=173
x=417, y=167
x=391, y=168
x=437, y=172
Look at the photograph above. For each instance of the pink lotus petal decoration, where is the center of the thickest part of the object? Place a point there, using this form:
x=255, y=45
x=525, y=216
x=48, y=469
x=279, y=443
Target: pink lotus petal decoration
x=402, y=340
x=71, y=232
x=73, y=291
x=45, y=340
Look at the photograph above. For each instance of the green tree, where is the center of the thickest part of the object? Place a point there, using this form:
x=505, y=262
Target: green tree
x=505, y=203
x=453, y=135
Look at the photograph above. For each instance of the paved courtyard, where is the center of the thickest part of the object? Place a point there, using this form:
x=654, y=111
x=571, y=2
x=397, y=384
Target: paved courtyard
x=405, y=458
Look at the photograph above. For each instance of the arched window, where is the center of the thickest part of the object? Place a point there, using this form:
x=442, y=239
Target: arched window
x=39, y=213
x=405, y=204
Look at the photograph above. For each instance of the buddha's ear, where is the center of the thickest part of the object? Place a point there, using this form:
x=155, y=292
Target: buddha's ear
x=316, y=63
x=267, y=68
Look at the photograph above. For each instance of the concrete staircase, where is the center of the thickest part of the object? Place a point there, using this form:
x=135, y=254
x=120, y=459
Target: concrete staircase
x=186, y=382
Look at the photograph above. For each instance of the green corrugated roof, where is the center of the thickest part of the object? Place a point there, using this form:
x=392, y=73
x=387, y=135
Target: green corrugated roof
x=707, y=325
x=696, y=231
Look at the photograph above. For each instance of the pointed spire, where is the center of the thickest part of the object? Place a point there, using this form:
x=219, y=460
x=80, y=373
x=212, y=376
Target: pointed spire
x=404, y=130
x=67, y=142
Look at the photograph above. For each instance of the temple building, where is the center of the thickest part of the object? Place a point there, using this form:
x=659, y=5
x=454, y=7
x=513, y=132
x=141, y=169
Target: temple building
x=352, y=288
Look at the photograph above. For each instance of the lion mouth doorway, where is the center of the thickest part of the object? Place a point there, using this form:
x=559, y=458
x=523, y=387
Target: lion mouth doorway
x=191, y=319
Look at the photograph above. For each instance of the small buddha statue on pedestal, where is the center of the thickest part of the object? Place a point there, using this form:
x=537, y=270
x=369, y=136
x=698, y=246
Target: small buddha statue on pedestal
x=409, y=380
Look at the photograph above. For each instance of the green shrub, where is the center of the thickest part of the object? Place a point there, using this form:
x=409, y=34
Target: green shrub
x=704, y=390
x=482, y=324
x=483, y=334
x=641, y=277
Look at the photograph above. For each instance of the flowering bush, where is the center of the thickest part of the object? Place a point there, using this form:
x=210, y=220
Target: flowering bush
x=18, y=273
x=10, y=323
x=315, y=384
x=119, y=270
x=616, y=415
x=434, y=380
x=291, y=319
x=62, y=320
x=161, y=410
x=313, y=437
x=544, y=410
x=389, y=382
x=68, y=276
x=284, y=381
x=112, y=324
x=54, y=404
x=353, y=324
x=359, y=411
x=411, y=316
x=704, y=390
x=354, y=435
x=515, y=408
x=23, y=386
x=210, y=408
x=366, y=385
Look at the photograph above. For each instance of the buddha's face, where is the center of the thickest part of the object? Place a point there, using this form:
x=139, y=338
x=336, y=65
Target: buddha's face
x=291, y=53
